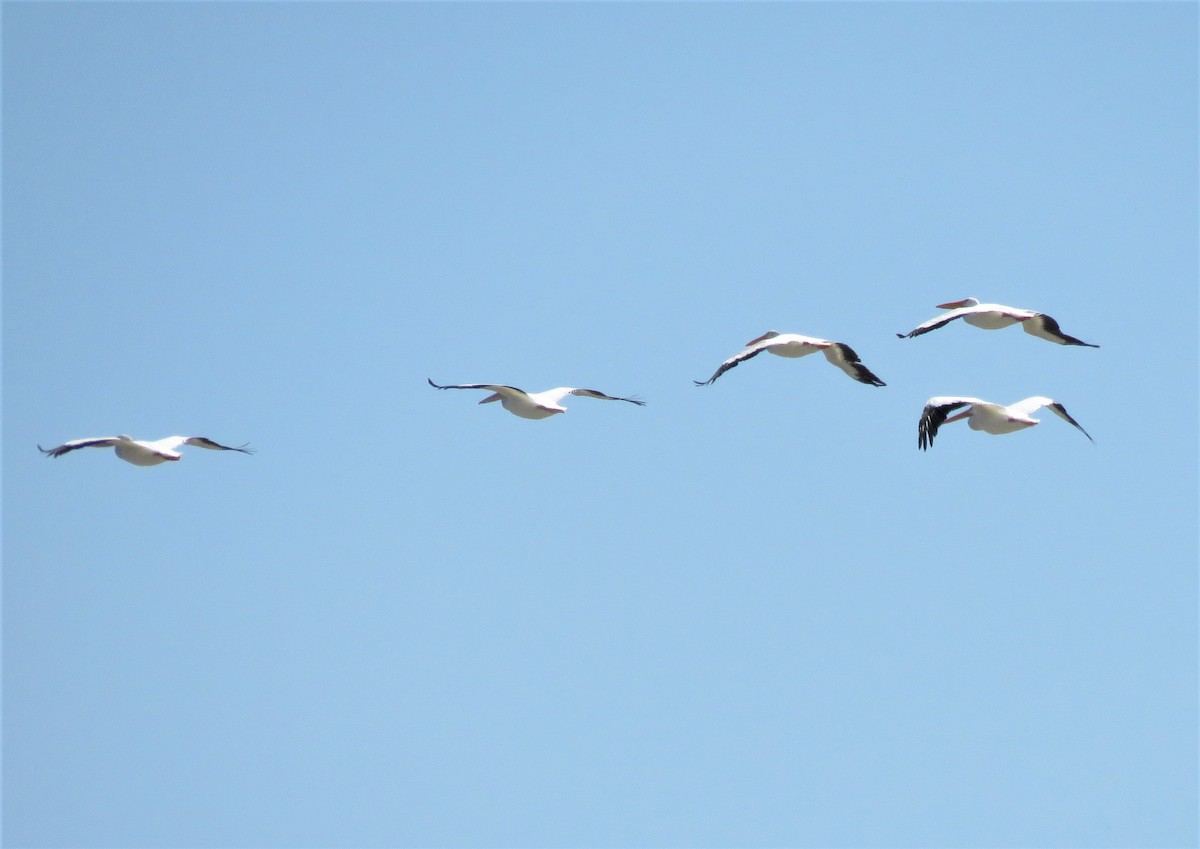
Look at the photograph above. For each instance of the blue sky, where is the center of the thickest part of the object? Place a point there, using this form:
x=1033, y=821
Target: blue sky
x=749, y=614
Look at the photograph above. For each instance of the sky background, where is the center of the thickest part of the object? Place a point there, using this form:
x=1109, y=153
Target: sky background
x=749, y=614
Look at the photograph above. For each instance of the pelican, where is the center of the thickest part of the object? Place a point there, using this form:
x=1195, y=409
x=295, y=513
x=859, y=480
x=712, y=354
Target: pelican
x=984, y=415
x=995, y=317
x=794, y=345
x=142, y=452
x=533, y=405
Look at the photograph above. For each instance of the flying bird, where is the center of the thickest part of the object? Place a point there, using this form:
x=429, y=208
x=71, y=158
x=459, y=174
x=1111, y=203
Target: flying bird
x=142, y=452
x=996, y=317
x=533, y=405
x=984, y=415
x=794, y=345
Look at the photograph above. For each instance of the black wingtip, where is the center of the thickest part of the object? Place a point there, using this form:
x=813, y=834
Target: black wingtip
x=864, y=375
x=434, y=385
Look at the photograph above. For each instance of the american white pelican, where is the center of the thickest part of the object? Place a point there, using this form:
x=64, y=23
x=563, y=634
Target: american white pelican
x=142, y=452
x=795, y=345
x=533, y=405
x=984, y=415
x=995, y=317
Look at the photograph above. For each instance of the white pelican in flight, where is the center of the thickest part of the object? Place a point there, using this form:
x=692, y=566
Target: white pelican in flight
x=995, y=317
x=142, y=452
x=795, y=345
x=986, y=416
x=533, y=405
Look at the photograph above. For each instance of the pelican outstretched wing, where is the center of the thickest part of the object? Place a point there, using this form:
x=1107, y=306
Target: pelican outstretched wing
x=1029, y=406
x=936, y=411
x=936, y=322
x=593, y=393
x=1045, y=327
x=93, y=442
x=737, y=359
x=205, y=442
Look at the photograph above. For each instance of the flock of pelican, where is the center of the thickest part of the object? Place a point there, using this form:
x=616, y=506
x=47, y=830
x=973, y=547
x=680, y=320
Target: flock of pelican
x=980, y=415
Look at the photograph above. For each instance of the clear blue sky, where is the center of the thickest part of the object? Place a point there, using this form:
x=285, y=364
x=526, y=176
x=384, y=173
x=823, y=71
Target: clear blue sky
x=750, y=614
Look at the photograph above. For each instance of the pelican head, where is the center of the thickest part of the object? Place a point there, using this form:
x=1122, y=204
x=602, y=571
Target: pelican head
x=124, y=437
x=953, y=305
